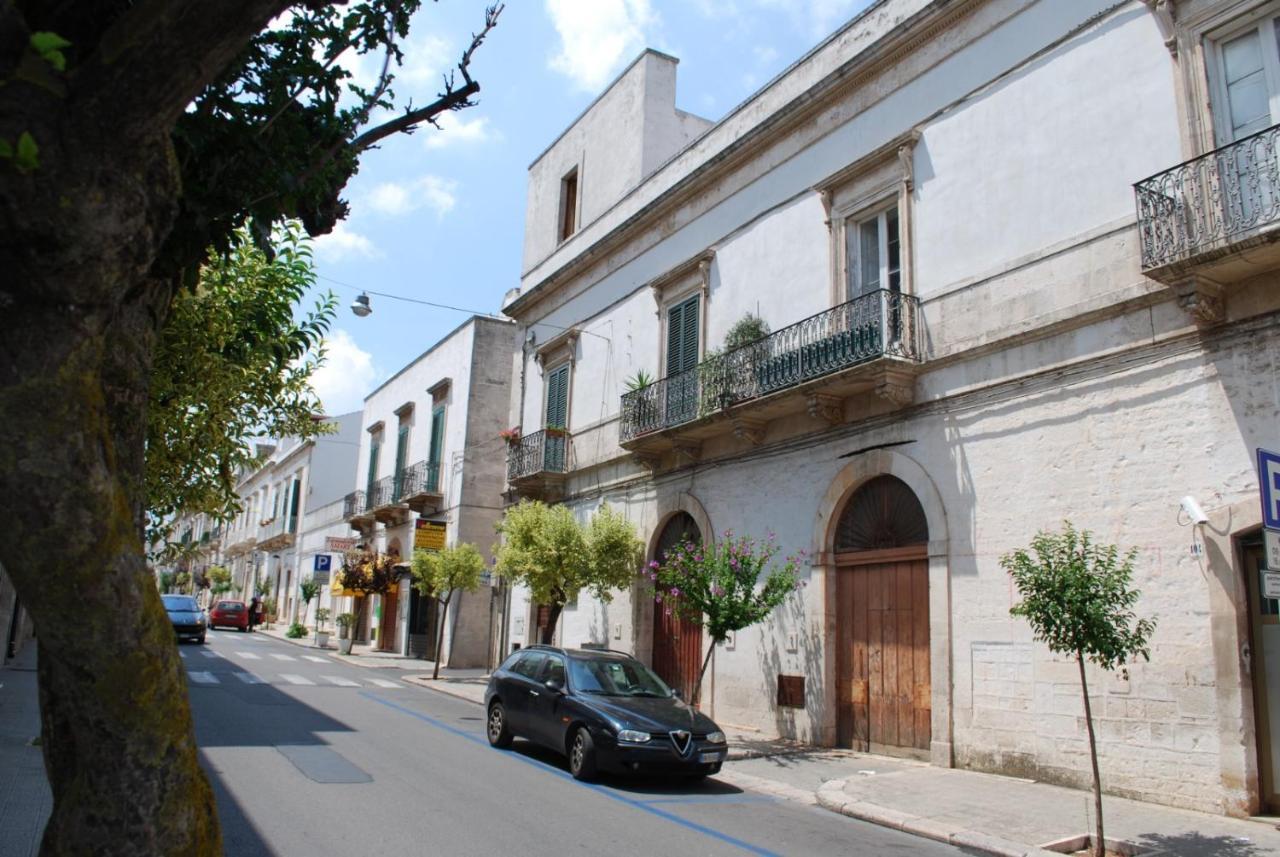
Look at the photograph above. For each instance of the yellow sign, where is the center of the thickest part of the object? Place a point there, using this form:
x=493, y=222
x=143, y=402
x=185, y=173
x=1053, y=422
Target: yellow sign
x=429, y=535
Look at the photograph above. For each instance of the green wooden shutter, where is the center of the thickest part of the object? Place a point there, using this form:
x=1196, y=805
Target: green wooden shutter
x=558, y=398
x=437, y=445
x=402, y=450
x=682, y=336
x=293, y=505
x=374, y=446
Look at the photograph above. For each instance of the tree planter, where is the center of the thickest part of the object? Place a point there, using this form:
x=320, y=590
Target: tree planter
x=1084, y=843
x=322, y=639
x=344, y=646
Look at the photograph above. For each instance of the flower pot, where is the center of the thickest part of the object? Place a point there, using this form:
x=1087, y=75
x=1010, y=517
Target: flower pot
x=344, y=647
x=322, y=639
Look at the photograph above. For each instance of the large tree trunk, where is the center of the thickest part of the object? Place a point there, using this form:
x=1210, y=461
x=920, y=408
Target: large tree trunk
x=117, y=732
x=553, y=616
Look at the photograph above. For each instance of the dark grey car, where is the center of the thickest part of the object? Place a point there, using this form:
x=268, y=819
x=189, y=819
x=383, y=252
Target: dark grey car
x=188, y=618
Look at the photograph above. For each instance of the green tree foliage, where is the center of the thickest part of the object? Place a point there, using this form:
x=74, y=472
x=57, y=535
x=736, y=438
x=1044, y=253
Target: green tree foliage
x=719, y=586
x=1077, y=597
x=439, y=574
x=745, y=331
x=308, y=589
x=219, y=580
x=232, y=364
x=166, y=581
x=546, y=549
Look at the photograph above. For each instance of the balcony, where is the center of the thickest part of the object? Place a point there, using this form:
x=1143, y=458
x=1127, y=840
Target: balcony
x=279, y=532
x=538, y=462
x=870, y=344
x=355, y=510
x=419, y=487
x=384, y=501
x=1212, y=221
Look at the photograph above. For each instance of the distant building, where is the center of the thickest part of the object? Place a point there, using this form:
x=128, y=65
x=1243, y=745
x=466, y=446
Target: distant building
x=979, y=328
x=430, y=473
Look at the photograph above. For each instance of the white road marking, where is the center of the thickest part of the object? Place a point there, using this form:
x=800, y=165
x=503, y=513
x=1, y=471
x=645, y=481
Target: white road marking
x=317, y=659
x=296, y=679
x=339, y=681
x=182, y=655
x=202, y=677
x=382, y=682
x=283, y=657
x=248, y=656
x=209, y=654
x=248, y=678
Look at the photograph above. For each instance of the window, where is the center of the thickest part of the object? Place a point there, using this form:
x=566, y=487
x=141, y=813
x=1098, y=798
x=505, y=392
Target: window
x=1248, y=79
x=402, y=450
x=293, y=504
x=873, y=253
x=569, y=204
x=529, y=664
x=682, y=336
x=375, y=446
x=556, y=419
x=554, y=670
x=437, y=446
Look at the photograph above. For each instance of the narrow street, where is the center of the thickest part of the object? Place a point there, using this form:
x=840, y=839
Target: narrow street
x=310, y=755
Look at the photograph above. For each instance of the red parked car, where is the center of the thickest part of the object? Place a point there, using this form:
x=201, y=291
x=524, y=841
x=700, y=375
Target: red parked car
x=230, y=614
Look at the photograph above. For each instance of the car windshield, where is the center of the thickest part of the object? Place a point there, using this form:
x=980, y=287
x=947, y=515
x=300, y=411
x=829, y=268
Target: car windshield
x=615, y=677
x=230, y=606
x=180, y=604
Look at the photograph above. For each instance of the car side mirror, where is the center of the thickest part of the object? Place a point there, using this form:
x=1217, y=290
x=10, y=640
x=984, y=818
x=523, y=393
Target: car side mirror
x=554, y=686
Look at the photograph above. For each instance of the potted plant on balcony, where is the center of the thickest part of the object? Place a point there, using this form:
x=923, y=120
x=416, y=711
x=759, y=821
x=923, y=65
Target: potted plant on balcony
x=511, y=435
x=344, y=621
x=322, y=635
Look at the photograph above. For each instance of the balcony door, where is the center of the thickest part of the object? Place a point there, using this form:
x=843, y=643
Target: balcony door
x=1246, y=68
x=556, y=420
x=682, y=362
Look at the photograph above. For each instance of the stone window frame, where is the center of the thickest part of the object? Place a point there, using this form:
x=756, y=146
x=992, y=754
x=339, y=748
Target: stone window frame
x=689, y=278
x=872, y=184
x=571, y=177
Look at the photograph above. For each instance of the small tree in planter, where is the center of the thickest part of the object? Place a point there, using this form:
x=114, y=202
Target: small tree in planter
x=440, y=574
x=219, y=580
x=322, y=635
x=344, y=621
x=308, y=589
x=546, y=549
x=1076, y=596
x=718, y=586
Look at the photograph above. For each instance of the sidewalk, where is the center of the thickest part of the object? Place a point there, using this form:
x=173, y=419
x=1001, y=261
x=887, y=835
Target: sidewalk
x=25, y=800
x=1007, y=816
x=368, y=656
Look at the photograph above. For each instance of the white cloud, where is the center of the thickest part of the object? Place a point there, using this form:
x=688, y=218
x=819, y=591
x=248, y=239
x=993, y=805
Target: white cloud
x=765, y=54
x=395, y=199
x=425, y=60
x=347, y=375
x=343, y=243
x=596, y=36
x=456, y=128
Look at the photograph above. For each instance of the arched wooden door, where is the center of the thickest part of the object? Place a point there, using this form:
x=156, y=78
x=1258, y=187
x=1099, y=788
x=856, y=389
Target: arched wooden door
x=882, y=619
x=677, y=642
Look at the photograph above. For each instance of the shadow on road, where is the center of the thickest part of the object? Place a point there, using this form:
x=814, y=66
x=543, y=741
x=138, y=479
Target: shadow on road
x=239, y=835
x=649, y=785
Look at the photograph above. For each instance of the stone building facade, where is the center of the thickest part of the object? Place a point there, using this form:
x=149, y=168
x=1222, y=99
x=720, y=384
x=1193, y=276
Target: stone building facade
x=980, y=328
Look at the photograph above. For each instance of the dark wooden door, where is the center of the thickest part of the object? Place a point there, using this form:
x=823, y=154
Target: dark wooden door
x=882, y=662
x=387, y=630
x=677, y=642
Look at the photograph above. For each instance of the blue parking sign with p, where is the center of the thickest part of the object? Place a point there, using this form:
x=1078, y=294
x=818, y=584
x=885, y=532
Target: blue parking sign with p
x=323, y=561
x=1269, y=485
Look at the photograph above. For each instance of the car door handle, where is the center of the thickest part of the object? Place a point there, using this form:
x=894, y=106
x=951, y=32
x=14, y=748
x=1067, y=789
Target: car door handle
x=533, y=693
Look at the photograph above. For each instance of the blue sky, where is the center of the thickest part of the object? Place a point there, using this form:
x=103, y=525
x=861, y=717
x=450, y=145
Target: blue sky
x=439, y=215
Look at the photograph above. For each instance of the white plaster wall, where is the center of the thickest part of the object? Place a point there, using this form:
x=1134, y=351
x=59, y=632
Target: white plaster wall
x=1045, y=154
x=448, y=358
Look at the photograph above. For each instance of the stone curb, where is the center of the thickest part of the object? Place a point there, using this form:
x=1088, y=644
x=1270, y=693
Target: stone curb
x=832, y=796
x=436, y=685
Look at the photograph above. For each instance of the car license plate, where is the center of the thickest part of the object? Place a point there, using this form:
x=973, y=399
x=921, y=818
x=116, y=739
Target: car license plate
x=708, y=758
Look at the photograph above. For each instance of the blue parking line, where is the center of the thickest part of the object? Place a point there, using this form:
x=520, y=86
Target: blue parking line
x=646, y=806
x=713, y=799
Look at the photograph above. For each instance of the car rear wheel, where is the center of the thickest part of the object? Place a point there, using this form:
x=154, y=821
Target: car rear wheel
x=499, y=734
x=582, y=755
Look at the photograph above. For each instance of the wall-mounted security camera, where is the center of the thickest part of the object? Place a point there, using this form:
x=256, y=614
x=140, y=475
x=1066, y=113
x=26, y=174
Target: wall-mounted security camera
x=1193, y=510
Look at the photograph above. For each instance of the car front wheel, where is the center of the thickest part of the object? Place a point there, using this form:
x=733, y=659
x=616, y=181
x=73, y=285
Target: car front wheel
x=499, y=734
x=582, y=756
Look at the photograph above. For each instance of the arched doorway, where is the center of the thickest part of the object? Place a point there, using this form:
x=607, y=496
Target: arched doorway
x=677, y=642
x=882, y=620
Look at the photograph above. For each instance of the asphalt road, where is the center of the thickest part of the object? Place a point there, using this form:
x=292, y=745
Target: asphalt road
x=313, y=756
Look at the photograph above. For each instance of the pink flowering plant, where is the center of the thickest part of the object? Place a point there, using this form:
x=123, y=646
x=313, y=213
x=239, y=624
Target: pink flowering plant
x=723, y=587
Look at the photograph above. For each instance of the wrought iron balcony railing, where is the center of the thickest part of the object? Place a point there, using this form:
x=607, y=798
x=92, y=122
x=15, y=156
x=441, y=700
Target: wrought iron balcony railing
x=353, y=504
x=879, y=324
x=382, y=492
x=1207, y=202
x=545, y=451
x=420, y=478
